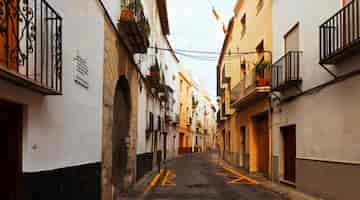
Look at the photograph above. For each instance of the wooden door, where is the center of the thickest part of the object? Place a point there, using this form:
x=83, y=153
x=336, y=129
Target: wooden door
x=289, y=135
x=181, y=140
x=10, y=151
x=243, y=145
x=263, y=145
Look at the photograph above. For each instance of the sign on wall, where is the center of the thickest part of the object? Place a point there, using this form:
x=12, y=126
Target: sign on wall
x=81, y=71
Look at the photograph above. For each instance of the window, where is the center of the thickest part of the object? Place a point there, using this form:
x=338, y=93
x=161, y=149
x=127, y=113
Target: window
x=243, y=25
x=228, y=141
x=259, y=6
x=181, y=85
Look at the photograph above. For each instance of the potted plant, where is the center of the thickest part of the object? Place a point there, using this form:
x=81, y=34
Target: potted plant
x=260, y=73
x=128, y=12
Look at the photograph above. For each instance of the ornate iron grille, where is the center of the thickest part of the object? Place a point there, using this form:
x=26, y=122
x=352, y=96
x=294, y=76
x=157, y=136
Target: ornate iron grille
x=31, y=45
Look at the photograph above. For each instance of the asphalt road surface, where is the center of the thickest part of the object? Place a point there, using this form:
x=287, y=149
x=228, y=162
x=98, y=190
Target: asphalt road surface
x=199, y=177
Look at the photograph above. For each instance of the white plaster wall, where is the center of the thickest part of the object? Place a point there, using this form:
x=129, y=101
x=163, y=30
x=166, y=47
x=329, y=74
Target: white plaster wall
x=326, y=121
x=142, y=121
x=309, y=20
x=113, y=8
x=62, y=131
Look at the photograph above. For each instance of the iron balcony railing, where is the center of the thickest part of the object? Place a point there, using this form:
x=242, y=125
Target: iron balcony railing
x=31, y=45
x=340, y=33
x=286, y=71
x=251, y=81
x=134, y=26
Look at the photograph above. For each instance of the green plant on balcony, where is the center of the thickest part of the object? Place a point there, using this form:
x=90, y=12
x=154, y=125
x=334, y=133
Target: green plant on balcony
x=260, y=73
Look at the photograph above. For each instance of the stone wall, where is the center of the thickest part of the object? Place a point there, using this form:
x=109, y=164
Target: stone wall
x=117, y=63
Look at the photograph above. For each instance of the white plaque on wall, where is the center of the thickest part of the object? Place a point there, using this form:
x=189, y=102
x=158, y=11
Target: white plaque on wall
x=81, y=71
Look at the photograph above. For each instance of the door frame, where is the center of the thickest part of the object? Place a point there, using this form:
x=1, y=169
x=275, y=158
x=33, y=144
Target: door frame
x=18, y=110
x=286, y=130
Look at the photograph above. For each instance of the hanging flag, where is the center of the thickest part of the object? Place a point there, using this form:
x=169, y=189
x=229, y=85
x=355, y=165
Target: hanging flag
x=224, y=28
x=216, y=14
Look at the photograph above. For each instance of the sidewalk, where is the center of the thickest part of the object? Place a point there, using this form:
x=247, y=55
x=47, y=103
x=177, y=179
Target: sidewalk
x=144, y=185
x=292, y=193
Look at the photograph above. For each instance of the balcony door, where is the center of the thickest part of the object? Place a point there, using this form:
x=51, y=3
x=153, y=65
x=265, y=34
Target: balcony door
x=10, y=150
x=292, y=43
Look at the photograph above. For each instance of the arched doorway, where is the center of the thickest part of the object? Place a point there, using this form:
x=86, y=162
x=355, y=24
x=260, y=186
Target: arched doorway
x=121, y=168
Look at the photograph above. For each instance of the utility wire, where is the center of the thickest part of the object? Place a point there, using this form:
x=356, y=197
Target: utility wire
x=206, y=55
x=208, y=52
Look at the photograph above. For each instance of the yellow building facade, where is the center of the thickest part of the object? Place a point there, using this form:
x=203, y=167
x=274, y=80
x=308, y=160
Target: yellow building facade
x=244, y=78
x=185, y=110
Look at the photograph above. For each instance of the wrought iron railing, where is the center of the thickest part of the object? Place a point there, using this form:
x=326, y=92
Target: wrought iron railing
x=286, y=70
x=134, y=26
x=31, y=44
x=340, y=32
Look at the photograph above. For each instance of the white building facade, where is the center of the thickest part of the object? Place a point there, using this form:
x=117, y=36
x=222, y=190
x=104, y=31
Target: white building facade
x=315, y=106
x=50, y=99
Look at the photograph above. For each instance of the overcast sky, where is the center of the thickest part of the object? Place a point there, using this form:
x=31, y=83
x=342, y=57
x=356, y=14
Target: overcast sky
x=193, y=27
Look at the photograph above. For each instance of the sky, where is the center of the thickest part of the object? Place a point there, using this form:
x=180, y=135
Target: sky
x=194, y=27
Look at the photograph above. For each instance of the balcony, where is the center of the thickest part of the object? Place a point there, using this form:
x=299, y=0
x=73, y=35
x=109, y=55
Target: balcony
x=254, y=86
x=134, y=27
x=286, y=71
x=31, y=45
x=340, y=34
x=165, y=93
x=153, y=78
x=226, y=74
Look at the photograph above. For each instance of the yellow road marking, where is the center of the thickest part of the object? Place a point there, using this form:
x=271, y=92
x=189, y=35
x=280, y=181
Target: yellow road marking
x=239, y=175
x=168, y=179
x=154, y=181
x=235, y=181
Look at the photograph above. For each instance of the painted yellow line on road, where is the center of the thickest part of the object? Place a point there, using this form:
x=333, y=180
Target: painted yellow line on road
x=167, y=180
x=235, y=181
x=154, y=181
x=250, y=180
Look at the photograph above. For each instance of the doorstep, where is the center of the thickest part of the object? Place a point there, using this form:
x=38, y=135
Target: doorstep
x=276, y=187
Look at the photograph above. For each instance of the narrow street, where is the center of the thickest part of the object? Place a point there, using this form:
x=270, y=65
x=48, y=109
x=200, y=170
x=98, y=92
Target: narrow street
x=206, y=180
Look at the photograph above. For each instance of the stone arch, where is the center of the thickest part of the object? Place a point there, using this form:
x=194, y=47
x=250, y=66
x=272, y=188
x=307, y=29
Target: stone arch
x=121, y=137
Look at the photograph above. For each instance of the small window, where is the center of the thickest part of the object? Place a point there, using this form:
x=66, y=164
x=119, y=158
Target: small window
x=259, y=6
x=243, y=26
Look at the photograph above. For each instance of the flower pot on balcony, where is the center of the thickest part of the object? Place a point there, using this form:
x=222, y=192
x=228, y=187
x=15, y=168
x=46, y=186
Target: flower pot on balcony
x=260, y=81
x=127, y=15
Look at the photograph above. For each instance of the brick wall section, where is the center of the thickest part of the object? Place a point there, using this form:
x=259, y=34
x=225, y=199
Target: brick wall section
x=117, y=63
